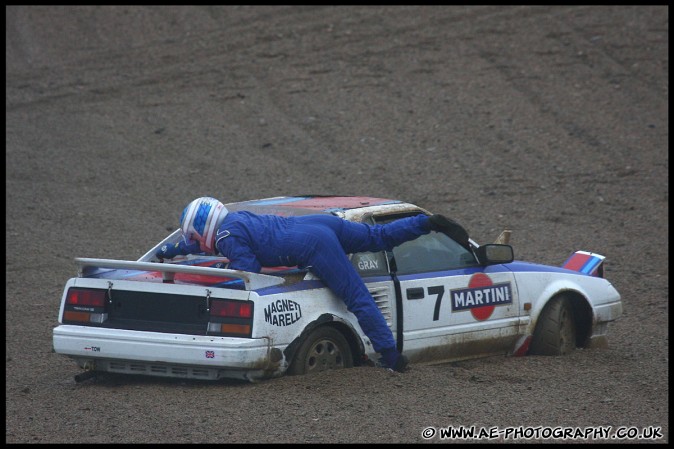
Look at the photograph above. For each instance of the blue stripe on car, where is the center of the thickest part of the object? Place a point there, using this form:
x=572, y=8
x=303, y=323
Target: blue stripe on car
x=590, y=265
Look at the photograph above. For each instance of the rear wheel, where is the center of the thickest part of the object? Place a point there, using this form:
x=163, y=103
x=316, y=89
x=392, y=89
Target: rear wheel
x=325, y=348
x=555, y=332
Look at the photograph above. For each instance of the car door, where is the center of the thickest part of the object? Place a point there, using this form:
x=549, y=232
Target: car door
x=374, y=270
x=450, y=307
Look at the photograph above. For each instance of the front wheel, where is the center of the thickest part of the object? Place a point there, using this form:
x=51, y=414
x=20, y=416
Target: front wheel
x=555, y=332
x=325, y=348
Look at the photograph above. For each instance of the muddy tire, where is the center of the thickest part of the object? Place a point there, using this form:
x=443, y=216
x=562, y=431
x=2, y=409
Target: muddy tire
x=555, y=332
x=325, y=348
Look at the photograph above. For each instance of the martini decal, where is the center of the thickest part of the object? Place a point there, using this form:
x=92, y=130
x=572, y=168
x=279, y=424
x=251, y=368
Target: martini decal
x=481, y=297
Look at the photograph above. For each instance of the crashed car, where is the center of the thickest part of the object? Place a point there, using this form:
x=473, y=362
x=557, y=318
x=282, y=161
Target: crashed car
x=194, y=318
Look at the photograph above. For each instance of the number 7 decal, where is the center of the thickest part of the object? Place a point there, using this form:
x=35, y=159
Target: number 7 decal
x=440, y=291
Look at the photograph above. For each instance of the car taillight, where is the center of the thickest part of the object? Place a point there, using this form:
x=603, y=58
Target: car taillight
x=85, y=306
x=86, y=297
x=230, y=318
x=233, y=309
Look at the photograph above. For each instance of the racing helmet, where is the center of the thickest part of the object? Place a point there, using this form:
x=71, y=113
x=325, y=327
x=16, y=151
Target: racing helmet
x=200, y=221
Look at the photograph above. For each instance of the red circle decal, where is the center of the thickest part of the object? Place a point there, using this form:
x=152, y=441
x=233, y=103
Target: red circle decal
x=481, y=280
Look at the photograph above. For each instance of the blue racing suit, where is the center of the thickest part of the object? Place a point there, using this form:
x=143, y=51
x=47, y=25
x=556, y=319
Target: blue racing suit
x=320, y=243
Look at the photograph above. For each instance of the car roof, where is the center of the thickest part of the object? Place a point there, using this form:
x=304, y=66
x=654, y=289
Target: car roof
x=317, y=204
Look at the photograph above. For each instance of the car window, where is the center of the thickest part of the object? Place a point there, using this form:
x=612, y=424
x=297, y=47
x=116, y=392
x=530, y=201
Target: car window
x=431, y=252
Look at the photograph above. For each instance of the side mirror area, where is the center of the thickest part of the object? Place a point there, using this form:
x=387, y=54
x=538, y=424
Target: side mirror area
x=493, y=253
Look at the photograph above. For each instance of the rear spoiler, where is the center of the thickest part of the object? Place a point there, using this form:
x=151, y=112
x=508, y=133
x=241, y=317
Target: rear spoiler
x=586, y=263
x=252, y=281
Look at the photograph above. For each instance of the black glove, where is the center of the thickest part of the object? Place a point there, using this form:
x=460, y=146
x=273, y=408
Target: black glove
x=449, y=227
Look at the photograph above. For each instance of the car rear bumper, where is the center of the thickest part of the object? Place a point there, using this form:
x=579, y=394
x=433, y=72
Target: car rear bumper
x=168, y=355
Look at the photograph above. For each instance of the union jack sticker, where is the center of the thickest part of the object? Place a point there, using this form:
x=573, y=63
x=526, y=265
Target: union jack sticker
x=210, y=354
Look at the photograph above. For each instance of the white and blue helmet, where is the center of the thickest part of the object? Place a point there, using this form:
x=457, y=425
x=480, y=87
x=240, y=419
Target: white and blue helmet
x=200, y=221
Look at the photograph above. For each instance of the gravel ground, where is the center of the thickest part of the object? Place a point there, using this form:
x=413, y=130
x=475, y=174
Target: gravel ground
x=550, y=121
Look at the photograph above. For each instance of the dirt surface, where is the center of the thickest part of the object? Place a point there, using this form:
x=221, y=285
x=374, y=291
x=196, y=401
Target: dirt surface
x=550, y=121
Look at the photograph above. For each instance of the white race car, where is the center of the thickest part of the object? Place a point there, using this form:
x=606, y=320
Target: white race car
x=194, y=318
